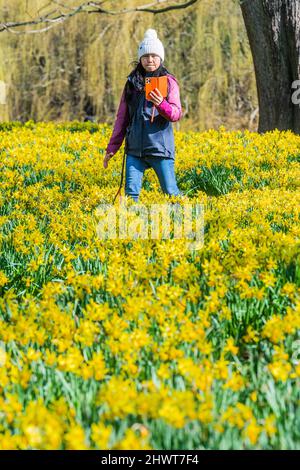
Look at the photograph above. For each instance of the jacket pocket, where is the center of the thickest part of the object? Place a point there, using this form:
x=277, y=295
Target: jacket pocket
x=160, y=122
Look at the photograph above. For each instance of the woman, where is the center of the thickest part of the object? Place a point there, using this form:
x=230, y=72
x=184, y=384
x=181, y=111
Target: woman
x=148, y=144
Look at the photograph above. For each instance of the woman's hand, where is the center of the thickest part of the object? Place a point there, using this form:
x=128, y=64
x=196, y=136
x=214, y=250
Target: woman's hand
x=156, y=97
x=106, y=159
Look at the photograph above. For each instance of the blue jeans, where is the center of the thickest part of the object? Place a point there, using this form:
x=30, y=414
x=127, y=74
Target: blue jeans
x=163, y=167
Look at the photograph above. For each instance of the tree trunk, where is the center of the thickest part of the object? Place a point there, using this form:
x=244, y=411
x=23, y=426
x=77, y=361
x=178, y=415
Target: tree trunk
x=273, y=28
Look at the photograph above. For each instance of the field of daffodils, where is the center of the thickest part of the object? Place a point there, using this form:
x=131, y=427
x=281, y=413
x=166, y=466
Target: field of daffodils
x=146, y=344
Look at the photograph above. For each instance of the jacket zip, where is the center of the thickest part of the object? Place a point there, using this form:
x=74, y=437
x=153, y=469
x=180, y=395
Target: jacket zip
x=142, y=137
x=141, y=147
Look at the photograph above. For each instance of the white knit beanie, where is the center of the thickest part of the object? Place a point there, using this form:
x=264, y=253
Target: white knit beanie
x=151, y=45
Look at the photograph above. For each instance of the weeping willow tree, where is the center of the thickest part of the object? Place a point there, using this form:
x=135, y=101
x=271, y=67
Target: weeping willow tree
x=226, y=90
x=79, y=67
x=3, y=87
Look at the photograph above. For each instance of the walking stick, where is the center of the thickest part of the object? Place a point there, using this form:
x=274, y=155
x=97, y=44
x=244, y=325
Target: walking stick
x=122, y=174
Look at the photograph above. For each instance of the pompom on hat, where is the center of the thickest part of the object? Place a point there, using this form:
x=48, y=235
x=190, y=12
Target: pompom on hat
x=151, y=45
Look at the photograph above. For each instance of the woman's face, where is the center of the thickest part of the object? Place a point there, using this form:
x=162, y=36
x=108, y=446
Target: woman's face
x=150, y=62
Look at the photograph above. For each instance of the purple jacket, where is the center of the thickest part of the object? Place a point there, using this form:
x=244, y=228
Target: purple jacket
x=169, y=108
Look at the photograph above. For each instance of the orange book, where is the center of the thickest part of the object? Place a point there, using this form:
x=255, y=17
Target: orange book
x=156, y=82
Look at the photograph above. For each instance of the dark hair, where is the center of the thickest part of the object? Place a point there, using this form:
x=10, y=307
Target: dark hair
x=161, y=70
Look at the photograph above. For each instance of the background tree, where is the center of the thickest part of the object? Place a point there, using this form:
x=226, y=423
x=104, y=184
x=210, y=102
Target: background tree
x=273, y=28
x=77, y=71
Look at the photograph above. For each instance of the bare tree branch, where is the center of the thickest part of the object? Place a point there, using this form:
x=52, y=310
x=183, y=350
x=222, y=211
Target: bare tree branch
x=88, y=7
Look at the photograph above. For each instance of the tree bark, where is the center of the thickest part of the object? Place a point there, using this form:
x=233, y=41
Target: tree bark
x=273, y=28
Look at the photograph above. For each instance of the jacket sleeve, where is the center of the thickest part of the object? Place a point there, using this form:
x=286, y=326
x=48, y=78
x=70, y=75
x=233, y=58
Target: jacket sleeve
x=120, y=126
x=171, y=108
